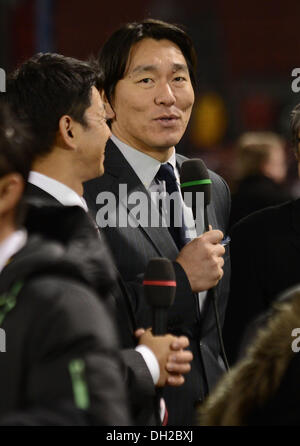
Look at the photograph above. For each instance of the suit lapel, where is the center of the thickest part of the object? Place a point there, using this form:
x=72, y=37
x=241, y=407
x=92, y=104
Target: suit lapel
x=117, y=166
x=212, y=219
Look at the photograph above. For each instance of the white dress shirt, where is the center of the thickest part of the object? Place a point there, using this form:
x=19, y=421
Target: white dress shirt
x=68, y=197
x=64, y=194
x=11, y=245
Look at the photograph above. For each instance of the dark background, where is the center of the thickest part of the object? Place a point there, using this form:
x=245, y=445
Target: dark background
x=247, y=51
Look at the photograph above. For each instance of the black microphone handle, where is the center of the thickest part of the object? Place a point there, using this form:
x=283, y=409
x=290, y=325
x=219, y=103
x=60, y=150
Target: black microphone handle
x=206, y=224
x=159, y=321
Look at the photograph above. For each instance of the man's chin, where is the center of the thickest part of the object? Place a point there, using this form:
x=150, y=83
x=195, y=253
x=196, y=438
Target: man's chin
x=96, y=174
x=166, y=144
x=168, y=141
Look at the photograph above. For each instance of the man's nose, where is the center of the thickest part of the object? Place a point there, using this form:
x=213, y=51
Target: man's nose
x=164, y=95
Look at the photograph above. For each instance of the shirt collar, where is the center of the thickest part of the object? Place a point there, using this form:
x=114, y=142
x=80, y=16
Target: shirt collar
x=11, y=245
x=144, y=165
x=64, y=194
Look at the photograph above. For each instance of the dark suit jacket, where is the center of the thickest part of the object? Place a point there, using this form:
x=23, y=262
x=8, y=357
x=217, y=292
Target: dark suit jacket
x=133, y=247
x=138, y=378
x=265, y=249
x=256, y=192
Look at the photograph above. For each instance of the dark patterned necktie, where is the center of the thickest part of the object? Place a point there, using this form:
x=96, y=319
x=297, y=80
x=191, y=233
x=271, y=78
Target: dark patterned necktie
x=175, y=214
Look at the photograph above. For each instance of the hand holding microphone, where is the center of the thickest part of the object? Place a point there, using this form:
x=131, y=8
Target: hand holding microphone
x=173, y=360
x=202, y=258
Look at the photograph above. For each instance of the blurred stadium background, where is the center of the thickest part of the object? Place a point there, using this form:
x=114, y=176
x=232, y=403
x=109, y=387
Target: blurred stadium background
x=246, y=53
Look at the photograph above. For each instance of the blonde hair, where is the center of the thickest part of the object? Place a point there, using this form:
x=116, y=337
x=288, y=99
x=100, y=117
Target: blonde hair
x=253, y=150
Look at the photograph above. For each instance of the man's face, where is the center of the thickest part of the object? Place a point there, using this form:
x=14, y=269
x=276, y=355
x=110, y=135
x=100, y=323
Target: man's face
x=11, y=190
x=276, y=165
x=154, y=100
x=93, y=138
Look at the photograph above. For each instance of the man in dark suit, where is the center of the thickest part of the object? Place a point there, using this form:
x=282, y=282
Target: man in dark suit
x=264, y=256
x=70, y=136
x=148, y=79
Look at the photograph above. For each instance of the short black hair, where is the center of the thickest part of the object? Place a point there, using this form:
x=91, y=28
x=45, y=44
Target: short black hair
x=16, y=153
x=295, y=128
x=15, y=144
x=46, y=87
x=114, y=55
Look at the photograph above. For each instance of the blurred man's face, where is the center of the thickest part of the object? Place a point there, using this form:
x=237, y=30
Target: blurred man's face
x=154, y=100
x=11, y=191
x=93, y=138
x=276, y=166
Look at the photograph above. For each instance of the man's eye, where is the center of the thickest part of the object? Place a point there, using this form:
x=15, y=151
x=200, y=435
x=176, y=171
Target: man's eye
x=146, y=80
x=179, y=79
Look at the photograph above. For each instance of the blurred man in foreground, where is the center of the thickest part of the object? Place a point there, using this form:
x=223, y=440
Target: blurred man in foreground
x=59, y=336
x=262, y=389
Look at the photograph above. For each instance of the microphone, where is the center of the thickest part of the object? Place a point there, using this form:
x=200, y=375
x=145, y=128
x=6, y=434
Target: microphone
x=159, y=288
x=194, y=178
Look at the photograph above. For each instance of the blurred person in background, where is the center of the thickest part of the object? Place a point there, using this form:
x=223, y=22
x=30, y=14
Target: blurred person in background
x=263, y=387
x=60, y=363
x=265, y=249
x=261, y=170
x=56, y=96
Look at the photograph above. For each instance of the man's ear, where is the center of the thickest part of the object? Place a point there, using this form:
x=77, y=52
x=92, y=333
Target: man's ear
x=67, y=131
x=11, y=191
x=110, y=114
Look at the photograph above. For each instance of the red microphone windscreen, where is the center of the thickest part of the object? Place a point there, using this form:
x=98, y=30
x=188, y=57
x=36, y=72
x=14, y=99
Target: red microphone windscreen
x=160, y=283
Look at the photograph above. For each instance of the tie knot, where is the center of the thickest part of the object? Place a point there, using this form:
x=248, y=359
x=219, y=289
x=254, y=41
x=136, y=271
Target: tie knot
x=166, y=172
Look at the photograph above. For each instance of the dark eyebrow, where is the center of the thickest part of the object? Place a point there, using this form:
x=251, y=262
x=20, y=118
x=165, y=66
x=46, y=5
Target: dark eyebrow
x=143, y=68
x=153, y=68
x=179, y=67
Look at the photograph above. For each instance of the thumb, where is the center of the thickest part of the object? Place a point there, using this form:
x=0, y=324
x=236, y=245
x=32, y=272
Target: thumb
x=139, y=332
